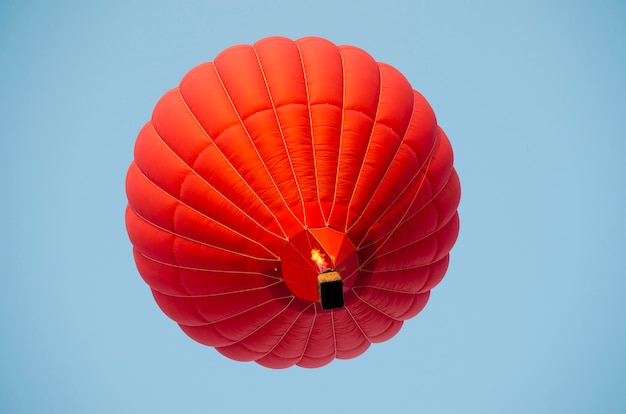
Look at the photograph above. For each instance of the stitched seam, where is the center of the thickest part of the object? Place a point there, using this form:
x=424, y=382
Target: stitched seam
x=423, y=169
x=257, y=154
x=387, y=170
x=287, y=331
x=180, y=202
x=343, y=110
x=377, y=309
x=308, y=339
x=386, y=239
x=229, y=163
x=241, y=312
x=369, y=143
x=313, y=147
x=173, y=233
x=198, y=269
x=264, y=324
x=280, y=129
x=347, y=308
x=215, y=295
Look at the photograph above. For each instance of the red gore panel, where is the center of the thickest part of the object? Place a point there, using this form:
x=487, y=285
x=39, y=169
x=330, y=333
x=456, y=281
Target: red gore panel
x=278, y=161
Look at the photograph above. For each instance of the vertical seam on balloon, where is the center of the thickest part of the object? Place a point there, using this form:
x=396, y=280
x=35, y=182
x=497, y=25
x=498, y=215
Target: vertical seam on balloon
x=308, y=338
x=404, y=292
x=282, y=136
x=388, y=236
x=405, y=219
x=243, y=125
x=332, y=323
x=230, y=292
x=180, y=202
x=202, y=269
x=427, y=276
x=431, y=234
x=343, y=109
x=171, y=244
x=313, y=147
x=422, y=170
x=257, y=153
x=286, y=333
x=367, y=149
x=399, y=269
x=401, y=193
x=431, y=201
x=358, y=325
x=376, y=308
x=387, y=170
x=176, y=266
x=229, y=163
x=408, y=218
x=258, y=328
x=246, y=310
x=173, y=233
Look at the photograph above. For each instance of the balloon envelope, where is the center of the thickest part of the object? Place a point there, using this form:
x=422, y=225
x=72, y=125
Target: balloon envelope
x=278, y=162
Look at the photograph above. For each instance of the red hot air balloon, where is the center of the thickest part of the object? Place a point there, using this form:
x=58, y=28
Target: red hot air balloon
x=292, y=202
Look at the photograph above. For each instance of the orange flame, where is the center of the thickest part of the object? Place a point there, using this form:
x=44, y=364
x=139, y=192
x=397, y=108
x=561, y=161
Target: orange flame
x=319, y=260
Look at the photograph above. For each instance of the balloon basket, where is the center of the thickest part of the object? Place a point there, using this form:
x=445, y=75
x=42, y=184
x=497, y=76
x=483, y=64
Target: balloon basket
x=330, y=288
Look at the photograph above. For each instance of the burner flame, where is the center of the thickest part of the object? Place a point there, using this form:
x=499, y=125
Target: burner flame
x=319, y=260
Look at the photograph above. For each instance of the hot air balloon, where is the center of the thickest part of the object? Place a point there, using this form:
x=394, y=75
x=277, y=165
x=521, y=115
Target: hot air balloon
x=292, y=202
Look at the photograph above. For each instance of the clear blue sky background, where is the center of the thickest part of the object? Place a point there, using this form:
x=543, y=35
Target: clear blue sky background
x=531, y=317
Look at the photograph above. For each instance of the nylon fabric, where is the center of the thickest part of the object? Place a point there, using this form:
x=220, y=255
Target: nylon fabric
x=268, y=152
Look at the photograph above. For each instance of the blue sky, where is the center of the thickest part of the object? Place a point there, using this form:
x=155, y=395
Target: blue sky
x=531, y=317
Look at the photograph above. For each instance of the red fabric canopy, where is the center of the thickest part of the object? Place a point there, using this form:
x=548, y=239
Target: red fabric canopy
x=267, y=153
